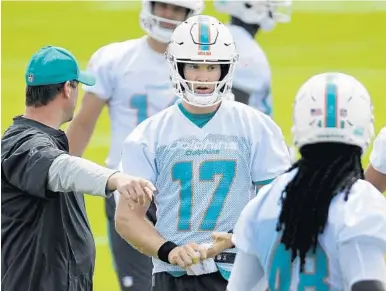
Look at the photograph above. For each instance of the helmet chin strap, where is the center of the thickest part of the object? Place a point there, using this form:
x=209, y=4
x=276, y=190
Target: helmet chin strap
x=252, y=29
x=186, y=99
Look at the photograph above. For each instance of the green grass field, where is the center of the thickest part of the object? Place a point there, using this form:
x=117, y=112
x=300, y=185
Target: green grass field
x=323, y=36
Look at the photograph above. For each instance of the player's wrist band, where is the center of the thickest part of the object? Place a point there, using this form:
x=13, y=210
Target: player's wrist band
x=164, y=251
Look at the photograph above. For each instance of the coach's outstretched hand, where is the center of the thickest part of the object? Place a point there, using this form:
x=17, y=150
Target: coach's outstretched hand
x=222, y=241
x=134, y=189
x=187, y=255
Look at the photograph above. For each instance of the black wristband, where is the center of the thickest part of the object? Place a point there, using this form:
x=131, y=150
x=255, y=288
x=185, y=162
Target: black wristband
x=164, y=251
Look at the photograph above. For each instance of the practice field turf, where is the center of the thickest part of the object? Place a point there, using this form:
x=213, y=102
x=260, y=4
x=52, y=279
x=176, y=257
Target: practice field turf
x=323, y=36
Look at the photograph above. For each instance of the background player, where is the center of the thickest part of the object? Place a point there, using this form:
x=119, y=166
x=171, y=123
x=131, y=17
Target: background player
x=205, y=155
x=133, y=81
x=252, y=79
x=376, y=172
x=328, y=220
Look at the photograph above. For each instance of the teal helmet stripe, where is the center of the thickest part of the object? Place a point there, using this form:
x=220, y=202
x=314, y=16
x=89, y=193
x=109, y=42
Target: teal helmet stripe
x=331, y=103
x=204, y=33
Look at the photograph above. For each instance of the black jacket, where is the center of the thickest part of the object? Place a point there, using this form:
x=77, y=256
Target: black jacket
x=46, y=241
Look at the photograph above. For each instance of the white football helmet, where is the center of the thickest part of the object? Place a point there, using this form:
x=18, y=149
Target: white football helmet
x=150, y=23
x=333, y=107
x=202, y=40
x=265, y=13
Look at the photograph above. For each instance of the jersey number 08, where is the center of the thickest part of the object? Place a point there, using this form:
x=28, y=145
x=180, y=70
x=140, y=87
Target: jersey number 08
x=314, y=275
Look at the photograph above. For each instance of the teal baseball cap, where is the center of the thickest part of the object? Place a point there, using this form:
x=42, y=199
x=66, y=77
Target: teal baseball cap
x=53, y=65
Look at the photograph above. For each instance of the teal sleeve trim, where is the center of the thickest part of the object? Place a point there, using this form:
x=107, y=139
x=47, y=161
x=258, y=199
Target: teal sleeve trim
x=263, y=183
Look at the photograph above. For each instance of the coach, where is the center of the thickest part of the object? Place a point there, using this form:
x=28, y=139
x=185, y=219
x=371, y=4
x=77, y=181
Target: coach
x=47, y=244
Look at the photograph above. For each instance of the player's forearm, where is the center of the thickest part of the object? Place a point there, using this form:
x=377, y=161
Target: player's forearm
x=137, y=230
x=376, y=178
x=73, y=174
x=79, y=134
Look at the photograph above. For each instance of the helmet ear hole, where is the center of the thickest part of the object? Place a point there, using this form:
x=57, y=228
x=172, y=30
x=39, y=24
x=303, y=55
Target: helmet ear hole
x=152, y=6
x=188, y=13
x=224, y=70
x=180, y=67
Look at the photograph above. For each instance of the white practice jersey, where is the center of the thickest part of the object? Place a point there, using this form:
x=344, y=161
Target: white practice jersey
x=378, y=154
x=134, y=80
x=204, y=176
x=359, y=220
x=252, y=73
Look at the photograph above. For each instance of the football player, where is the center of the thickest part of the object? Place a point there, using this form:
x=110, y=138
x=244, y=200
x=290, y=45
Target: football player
x=206, y=156
x=376, y=171
x=133, y=82
x=320, y=225
x=252, y=78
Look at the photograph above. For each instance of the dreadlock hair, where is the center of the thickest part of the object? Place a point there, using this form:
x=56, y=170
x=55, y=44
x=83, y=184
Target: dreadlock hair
x=324, y=170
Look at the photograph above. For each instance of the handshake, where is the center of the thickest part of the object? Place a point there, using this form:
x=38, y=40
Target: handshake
x=134, y=189
x=198, y=259
x=194, y=258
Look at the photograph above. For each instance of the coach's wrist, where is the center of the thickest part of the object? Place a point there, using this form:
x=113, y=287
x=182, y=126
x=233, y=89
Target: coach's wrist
x=112, y=181
x=164, y=251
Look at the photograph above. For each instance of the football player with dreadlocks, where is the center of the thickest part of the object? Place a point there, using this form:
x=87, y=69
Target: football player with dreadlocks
x=376, y=171
x=320, y=225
